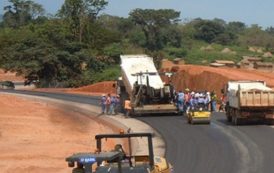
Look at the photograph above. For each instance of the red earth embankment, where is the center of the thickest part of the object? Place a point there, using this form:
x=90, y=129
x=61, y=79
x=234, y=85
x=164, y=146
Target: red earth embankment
x=210, y=78
x=10, y=76
x=96, y=89
x=106, y=87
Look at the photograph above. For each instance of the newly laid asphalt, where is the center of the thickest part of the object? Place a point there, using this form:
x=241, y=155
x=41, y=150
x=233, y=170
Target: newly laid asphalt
x=215, y=148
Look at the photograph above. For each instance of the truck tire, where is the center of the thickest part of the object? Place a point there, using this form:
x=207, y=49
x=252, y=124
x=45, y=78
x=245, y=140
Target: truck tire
x=228, y=114
x=235, y=119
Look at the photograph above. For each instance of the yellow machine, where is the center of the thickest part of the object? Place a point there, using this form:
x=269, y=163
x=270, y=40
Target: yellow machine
x=117, y=160
x=199, y=114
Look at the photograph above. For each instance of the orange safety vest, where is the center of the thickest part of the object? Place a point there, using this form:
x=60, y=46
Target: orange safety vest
x=127, y=104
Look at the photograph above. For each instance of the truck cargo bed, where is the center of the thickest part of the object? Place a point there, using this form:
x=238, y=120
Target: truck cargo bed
x=256, y=98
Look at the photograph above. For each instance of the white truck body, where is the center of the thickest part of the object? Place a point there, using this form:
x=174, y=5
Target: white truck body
x=249, y=94
x=132, y=64
x=249, y=100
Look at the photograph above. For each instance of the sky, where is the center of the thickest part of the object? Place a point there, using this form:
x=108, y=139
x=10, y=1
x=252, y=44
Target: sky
x=247, y=11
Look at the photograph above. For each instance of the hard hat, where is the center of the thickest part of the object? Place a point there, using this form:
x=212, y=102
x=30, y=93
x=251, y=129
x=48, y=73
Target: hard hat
x=192, y=93
x=187, y=89
x=207, y=93
x=197, y=95
x=201, y=95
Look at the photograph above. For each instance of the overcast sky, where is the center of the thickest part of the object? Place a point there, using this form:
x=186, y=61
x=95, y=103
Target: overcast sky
x=247, y=11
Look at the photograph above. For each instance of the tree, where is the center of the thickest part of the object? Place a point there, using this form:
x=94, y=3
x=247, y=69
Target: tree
x=79, y=12
x=236, y=27
x=21, y=12
x=270, y=30
x=255, y=36
x=208, y=30
x=151, y=22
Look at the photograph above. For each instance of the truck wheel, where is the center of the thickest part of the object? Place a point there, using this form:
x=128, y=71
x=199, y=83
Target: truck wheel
x=269, y=122
x=228, y=115
x=229, y=118
x=235, y=120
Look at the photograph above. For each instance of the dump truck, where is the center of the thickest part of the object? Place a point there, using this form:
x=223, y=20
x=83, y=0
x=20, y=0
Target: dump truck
x=142, y=84
x=118, y=160
x=249, y=100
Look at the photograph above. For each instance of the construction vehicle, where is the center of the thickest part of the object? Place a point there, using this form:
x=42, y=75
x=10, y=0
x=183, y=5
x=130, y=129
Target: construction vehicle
x=198, y=113
x=7, y=85
x=142, y=85
x=117, y=161
x=249, y=100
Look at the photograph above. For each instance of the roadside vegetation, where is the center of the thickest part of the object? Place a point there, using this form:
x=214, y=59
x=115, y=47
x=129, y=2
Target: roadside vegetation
x=81, y=45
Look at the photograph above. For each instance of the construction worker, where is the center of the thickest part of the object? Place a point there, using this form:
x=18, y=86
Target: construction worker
x=127, y=108
x=208, y=99
x=194, y=100
x=213, y=101
x=108, y=102
x=222, y=103
x=202, y=101
x=187, y=99
x=180, y=101
x=112, y=105
x=117, y=104
x=103, y=103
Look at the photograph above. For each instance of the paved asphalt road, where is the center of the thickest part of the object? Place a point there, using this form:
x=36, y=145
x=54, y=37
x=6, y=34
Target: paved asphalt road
x=215, y=148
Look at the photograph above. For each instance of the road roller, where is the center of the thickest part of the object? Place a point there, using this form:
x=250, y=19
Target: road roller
x=199, y=114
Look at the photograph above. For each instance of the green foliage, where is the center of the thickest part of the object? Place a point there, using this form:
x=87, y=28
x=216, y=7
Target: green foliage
x=80, y=46
x=109, y=73
x=114, y=51
x=79, y=13
x=151, y=22
x=21, y=12
x=208, y=30
x=174, y=52
x=206, y=57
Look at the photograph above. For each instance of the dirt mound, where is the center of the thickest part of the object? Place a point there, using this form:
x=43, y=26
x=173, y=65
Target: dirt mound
x=101, y=87
x=209, y=78
x=267, y=55
x=10, y=76
x=166, y=63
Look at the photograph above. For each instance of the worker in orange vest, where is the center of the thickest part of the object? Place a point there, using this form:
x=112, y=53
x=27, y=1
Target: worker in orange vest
x=127, y=108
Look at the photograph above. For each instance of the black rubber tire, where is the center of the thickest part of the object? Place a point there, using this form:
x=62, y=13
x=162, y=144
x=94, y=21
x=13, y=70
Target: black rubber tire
x=235, y=120
x=78, y=170
x=228, y=114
